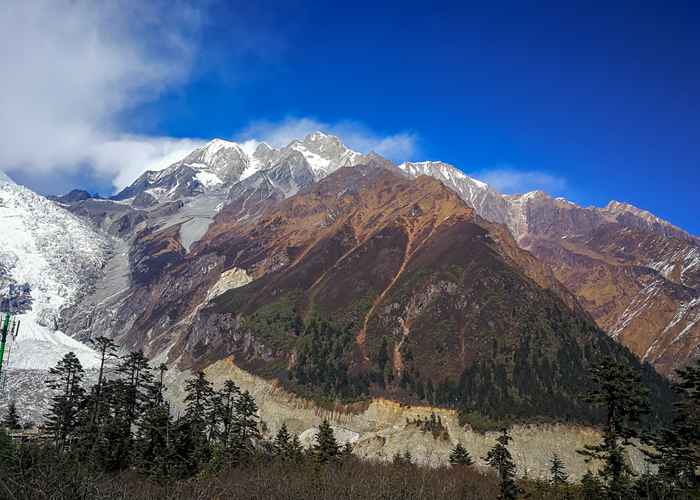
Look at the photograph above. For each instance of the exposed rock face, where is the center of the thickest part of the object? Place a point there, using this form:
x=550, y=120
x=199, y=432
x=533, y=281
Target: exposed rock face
x=380, y=428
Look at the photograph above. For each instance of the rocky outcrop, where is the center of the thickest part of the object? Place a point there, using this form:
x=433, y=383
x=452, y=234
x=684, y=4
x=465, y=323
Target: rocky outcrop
x=380, y=428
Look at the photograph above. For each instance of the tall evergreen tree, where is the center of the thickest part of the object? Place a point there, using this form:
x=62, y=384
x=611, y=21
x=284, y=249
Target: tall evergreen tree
x=676, y=449
x=152, y=443
x=326, y=448
x=227, y=395
x=62, y=419
x=106, y=349
x=618, y=389
x=11, y=419
x=282, y=444
x=198, y=398
x=500, y=459
x=137, y=376
x=245, y=430
x=557, y=471
x=460, y=456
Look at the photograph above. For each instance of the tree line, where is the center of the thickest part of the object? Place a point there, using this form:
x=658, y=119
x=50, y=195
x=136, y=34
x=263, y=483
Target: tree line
x=124, y=422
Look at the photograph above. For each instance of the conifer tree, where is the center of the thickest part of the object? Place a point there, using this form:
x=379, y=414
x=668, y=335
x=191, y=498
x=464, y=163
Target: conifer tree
x=326, y=447
x=111, y=446
x=136, y=373
x=106, y=349
x=591, y=487
x=557, y=470
x=676, y=449
x=162, y=368
x=152, y=444
x=244, y=426
x=619, y=390
x=198, y=393
x=296, y=451
x=198, y=396
x=282, y=444
x=11, y=419
x=460, y=456
x=62, y=418
x=500, y=459
x=227, y=398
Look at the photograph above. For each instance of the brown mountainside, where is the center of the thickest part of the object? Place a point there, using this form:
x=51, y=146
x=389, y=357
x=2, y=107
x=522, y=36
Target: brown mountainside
x=369, y=283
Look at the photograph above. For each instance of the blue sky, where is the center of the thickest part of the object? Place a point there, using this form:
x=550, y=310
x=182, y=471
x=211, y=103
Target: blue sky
x=589, y=102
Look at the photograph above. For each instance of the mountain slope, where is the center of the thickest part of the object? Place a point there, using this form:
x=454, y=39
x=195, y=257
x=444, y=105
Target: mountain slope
x=636, y=274
x=48, y=261
x=371, y=284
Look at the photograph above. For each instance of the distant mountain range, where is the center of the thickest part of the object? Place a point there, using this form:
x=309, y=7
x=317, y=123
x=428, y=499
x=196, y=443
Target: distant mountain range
x=412, y=281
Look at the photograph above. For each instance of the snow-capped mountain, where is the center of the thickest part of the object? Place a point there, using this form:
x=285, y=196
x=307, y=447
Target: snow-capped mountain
x=623, y=250
x=219, y=164
x=488, y=203
x=48, y=260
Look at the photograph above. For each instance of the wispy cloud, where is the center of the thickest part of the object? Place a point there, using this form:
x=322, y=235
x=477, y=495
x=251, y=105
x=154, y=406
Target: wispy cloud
x=509, y=180
x=400, y=146
x=72, y=69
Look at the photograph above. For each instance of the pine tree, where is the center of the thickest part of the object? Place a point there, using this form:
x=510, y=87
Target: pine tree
x=500, y=459
x=11, y=419
x=591, y=487
x=326, y=447
x=282, y=444
x=198, y=396
x=198, y=393
x=676, y=449
x=106, y=348
x=227, y=398
x=244, y=427
x=62, y=418
x=296, y=451
x=557, y=470
x=619, y=390
x=460, y=456
x=136, y=373
x=152, y=443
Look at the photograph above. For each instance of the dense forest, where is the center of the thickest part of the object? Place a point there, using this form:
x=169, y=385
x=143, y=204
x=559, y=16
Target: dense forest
x=120, y=439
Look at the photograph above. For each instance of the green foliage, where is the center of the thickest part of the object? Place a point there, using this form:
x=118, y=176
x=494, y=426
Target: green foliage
x=62, y=419
x=501, y=460
x=676, y=447
x=557, y=471
x=618, y=390
x=460, y=456
x=326, y=448
x=322, y=367
x=277, y=324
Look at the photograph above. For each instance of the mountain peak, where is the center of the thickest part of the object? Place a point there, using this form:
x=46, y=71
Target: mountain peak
x=644, y=219
x=5, y=179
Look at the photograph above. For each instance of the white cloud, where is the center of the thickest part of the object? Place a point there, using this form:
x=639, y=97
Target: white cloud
x=510, y=181
x=72, y=68
x=399, y=147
